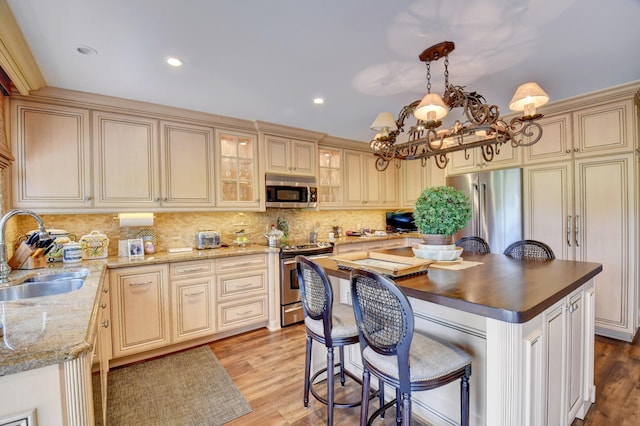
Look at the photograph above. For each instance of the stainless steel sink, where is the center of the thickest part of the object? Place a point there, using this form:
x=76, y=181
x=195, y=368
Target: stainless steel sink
x=27, y=290
x=58, y=276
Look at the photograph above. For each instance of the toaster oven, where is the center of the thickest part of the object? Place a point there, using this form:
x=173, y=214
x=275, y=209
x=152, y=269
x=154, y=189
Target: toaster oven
x=207, y=240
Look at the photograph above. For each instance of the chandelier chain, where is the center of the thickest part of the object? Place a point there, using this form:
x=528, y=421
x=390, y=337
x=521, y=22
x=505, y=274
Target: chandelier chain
x=428, y=76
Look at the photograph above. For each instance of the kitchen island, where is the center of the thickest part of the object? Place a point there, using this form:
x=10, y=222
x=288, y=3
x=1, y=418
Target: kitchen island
x=529, y=326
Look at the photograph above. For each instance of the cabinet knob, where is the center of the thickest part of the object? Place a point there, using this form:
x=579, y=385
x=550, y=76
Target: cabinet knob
x=87, y=198
x=576, y=150
x=105, y=323
x=104, y=305
x=568, y=151
x=106, y=290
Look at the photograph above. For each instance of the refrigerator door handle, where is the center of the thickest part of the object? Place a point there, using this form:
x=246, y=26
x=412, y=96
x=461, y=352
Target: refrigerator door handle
x=569, y=230
x=577, y=230
x=478, y=227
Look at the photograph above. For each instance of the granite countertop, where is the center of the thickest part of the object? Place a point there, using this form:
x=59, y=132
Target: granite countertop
x=70, y=319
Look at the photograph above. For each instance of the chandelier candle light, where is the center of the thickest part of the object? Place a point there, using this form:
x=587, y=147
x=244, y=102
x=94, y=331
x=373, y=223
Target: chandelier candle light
x=484, y=128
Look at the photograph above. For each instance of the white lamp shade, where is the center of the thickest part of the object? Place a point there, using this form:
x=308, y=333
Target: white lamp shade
x=528, y=93
x=431, y=108
x=384, y=119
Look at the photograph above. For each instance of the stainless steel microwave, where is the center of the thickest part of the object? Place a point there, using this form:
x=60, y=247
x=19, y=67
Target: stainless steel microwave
x=294, y=192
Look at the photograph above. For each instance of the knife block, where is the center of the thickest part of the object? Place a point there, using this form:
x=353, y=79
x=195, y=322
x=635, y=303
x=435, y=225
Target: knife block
x=22, y=259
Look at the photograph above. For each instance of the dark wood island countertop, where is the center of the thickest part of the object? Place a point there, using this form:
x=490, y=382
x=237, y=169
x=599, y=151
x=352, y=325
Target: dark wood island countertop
x=501, y=288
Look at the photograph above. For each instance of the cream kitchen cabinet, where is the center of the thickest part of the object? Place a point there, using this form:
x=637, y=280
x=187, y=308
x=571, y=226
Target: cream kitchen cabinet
x=602, y=129
x=290, y=156
x=586, y=210
x=330, y=186
x=192, y=299
x=126, y=161
x=415, y=176
x=187, y=165
x=242, y=291
x=369, y=245
x=364, y=185
x=472, y=160
x=567, y=362
x=52, y=149
x=238, y=169
x=140, y=309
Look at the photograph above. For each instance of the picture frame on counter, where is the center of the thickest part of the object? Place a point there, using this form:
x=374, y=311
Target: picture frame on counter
x=135, y=248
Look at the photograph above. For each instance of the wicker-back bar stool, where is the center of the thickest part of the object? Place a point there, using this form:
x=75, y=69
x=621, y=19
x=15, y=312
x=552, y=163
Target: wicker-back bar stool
x=331, y=324
x=474, y=245
x=400, y=356
x=530, y=250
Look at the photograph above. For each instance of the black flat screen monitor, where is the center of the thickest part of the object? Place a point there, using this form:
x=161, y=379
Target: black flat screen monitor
x=400, y=222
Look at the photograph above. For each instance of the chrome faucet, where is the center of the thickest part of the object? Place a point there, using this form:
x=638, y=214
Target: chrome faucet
x=5, y=269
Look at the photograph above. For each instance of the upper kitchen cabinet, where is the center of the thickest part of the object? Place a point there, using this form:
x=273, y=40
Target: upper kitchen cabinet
x=288, y=150
x=589, y=126
x=126, y=160
x=330, y=180
x=364, y=185
x=238, y=170
x=52, y=146
x=290, y=156
x=472, y=160
x=415, y=176
x=187, y=165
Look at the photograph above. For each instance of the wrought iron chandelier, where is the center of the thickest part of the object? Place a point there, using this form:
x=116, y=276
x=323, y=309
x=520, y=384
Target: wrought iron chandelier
x=484, y=129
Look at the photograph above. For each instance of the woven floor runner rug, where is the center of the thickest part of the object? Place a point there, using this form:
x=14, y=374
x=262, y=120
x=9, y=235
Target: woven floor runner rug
x=185, y=388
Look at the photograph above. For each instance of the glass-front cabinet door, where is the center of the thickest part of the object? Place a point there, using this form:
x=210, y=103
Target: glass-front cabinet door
x=330, y=180
x=238, y=169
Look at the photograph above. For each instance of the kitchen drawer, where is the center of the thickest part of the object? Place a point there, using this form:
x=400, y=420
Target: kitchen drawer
x=349, y=248
x=241, y=284
x=396, y=242
x=243, y=263
x=242, y=313
x=191, y=269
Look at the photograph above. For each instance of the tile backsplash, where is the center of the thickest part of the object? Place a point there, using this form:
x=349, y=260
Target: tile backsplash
x=178, y=229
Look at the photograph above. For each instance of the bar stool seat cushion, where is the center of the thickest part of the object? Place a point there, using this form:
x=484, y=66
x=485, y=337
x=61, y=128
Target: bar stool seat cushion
x=343, y=322
x=441, y=359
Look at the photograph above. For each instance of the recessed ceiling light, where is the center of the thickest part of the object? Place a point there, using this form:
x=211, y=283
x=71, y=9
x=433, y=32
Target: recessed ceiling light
x=318, y=101
x=174, y=62
x=86, y=50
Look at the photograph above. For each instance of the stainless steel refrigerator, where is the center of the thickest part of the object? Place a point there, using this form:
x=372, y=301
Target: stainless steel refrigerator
x=496, y=200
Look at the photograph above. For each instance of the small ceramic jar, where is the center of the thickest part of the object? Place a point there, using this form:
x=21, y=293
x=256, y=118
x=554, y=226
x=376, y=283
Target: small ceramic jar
x=72, y=253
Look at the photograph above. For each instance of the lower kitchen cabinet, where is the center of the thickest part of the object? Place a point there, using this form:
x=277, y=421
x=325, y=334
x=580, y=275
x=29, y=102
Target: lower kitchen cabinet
x=192, y=300
x=368, y=246
x=155, y=308
x=242, y=291
x=140, y=309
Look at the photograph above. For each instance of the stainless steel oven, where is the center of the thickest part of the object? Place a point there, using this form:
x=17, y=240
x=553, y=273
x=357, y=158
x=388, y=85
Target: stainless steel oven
x=291, y=301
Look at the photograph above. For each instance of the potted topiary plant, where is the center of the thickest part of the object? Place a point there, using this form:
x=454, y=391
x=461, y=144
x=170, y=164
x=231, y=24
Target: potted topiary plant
x=440, y=212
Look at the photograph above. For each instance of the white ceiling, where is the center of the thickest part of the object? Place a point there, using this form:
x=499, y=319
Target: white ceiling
x=267, y=59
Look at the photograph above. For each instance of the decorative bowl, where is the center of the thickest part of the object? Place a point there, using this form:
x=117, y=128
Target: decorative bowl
x=437, y=254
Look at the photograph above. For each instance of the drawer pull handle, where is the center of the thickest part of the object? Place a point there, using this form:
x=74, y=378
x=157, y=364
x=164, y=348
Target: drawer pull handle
x=194, y=294
x=238, y=265
x=188, y=271
x=245, y=285
x=242, y=314
x=140, y=284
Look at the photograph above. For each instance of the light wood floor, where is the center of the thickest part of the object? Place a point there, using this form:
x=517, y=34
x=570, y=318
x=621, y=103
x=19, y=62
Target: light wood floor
x=268, y=368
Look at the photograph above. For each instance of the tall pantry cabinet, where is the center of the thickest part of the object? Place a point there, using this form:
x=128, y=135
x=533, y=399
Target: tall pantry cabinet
x=581, y=197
